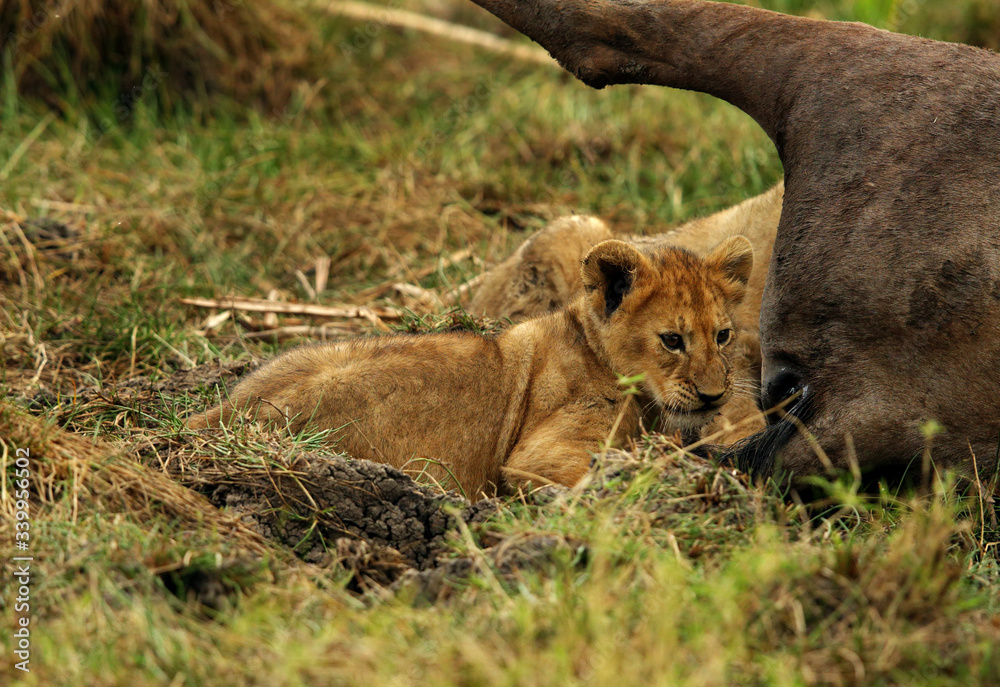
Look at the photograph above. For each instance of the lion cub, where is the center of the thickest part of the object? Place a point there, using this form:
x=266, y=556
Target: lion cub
x=536, y=401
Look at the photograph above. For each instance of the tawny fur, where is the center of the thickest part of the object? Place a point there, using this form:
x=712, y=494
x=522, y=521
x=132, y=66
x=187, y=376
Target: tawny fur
x=882, y=305
x=534, y=403
x=541, y=276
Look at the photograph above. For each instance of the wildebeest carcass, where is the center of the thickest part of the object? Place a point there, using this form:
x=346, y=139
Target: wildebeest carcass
x=882, y=305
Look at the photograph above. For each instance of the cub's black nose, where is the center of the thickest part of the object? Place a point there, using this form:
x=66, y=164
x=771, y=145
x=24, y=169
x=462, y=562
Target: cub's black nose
x=785, y=383
x=708, y=399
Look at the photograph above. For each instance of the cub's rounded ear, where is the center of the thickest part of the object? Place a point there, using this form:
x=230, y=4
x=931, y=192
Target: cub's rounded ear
x=733, y=258
x=611, y=269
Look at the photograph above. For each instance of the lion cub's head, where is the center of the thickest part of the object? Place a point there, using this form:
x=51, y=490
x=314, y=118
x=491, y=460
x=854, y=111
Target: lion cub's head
x=667, y=315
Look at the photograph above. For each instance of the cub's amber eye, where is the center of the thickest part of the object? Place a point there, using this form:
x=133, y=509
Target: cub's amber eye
x=673, y=342
x=724, y=336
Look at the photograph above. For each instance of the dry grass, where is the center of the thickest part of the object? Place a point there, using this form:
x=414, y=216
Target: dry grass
x=64, y=50
x=166, y=557
x=663, y=569
x=74, y=475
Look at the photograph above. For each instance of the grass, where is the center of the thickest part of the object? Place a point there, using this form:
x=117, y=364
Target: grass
x=406, y=151
x=63, y=51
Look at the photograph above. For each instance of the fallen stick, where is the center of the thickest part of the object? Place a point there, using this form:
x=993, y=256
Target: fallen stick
x=260, y=305
x=64, y=206
x=437, y=27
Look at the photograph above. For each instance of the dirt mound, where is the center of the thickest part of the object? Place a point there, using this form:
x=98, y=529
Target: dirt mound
x=314, y=500
x=384, y=530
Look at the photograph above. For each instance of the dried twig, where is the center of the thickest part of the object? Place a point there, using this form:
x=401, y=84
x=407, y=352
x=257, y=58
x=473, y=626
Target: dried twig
x=62, y=206
x=213, y=321
x=259, y=305
x=270, y=319
x=455, y=32
x=304, y=281
x=322, y=273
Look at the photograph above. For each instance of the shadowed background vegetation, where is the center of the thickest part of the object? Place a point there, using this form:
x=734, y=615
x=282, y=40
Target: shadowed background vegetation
x=154, y=150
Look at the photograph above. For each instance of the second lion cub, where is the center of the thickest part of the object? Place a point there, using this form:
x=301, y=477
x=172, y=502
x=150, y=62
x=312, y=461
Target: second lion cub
x=536, y=401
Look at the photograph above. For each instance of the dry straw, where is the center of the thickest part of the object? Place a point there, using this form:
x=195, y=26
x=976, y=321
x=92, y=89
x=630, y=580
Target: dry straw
x=83, y=475
x=250, y=51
